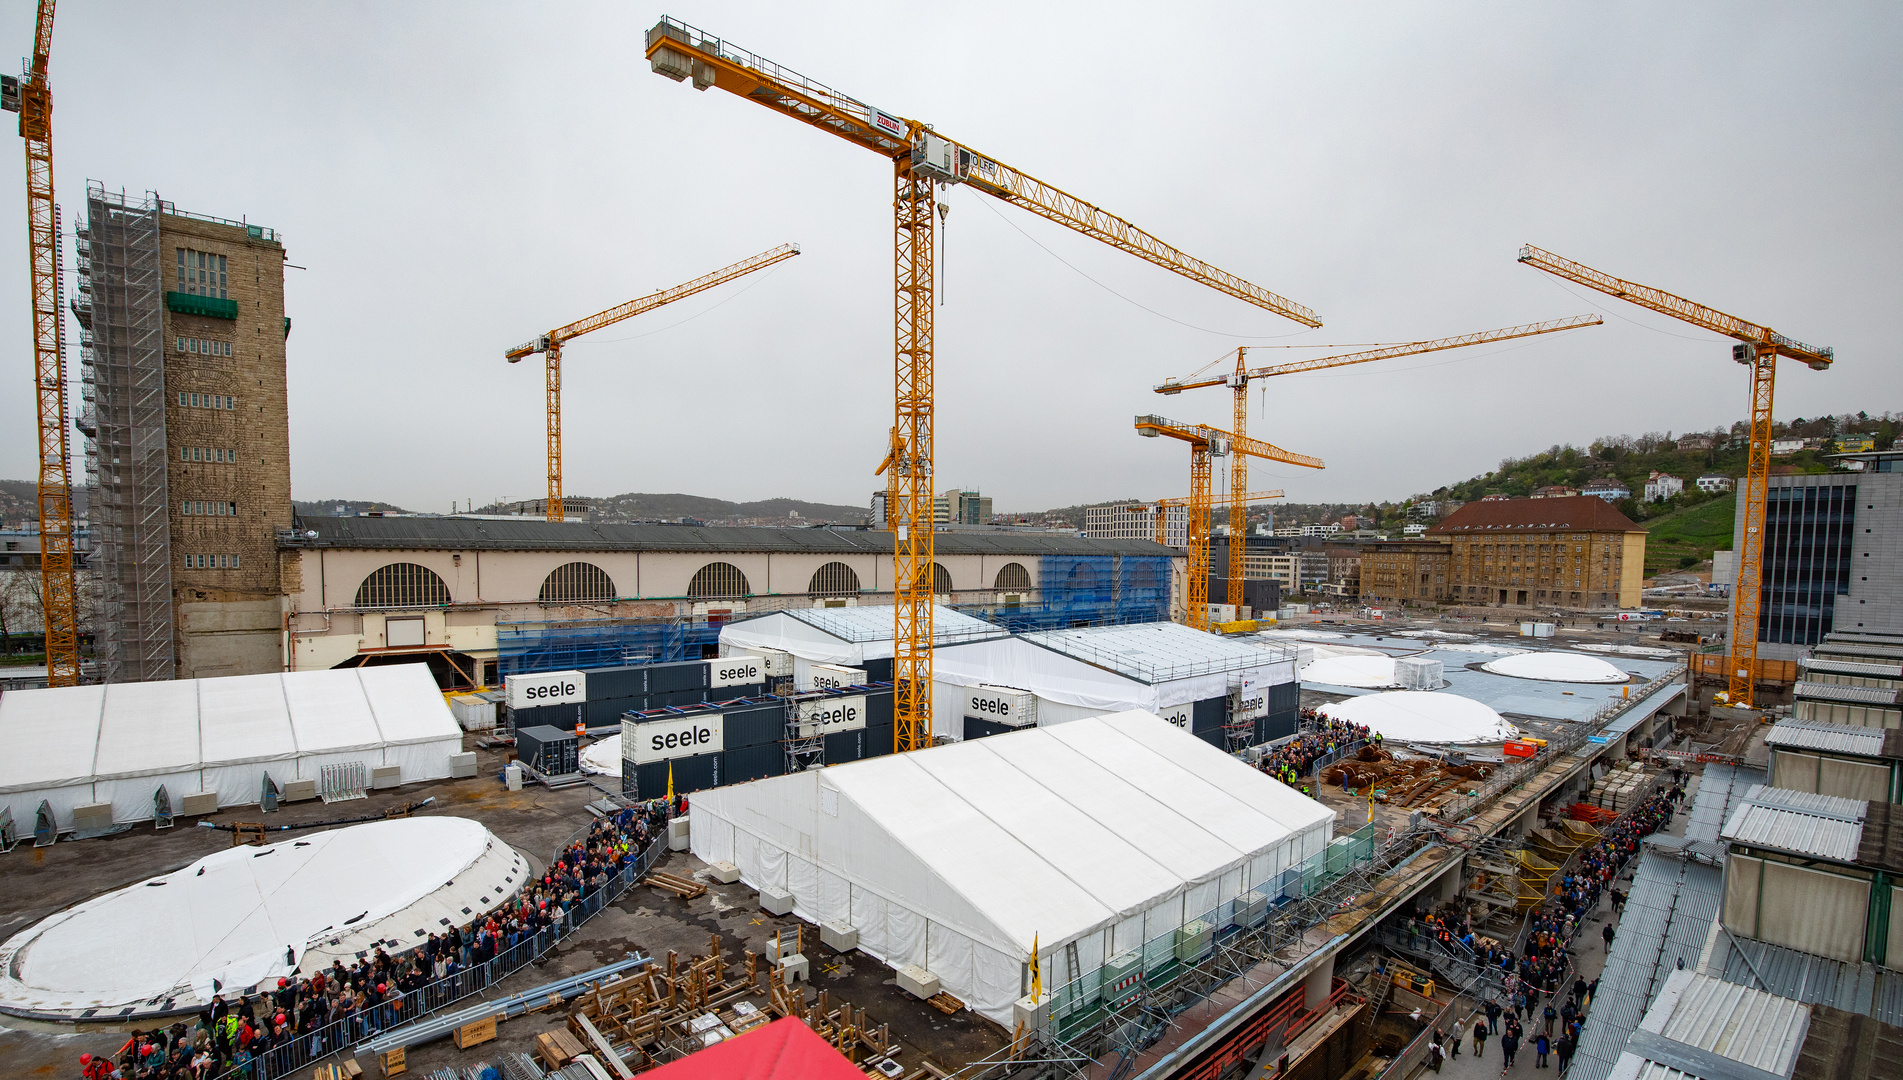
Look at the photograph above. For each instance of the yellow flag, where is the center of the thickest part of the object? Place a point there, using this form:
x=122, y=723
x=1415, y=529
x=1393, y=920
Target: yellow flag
x=1371, y=802
x=670, y=781
x=1037, y=973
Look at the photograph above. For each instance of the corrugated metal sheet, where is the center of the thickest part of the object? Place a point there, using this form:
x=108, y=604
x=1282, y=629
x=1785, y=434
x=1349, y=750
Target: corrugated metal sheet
x=1720, y=789
x=531, y=534
x=1835, y=738
x=1760, y=1029
x=1797, y=833
x=1846, y=650
x=1805, y=802
x=1849, y=695
x=1865, y=989
x=1871, y=669
x=1668, y=915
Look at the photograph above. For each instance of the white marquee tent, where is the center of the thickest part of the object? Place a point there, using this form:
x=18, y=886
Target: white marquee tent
x=1103, y=669
x=847, y=636
x=118, y=743
x=1108, y=832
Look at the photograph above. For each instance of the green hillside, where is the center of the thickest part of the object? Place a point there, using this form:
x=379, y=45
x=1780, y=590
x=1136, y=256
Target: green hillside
x=1685, y=538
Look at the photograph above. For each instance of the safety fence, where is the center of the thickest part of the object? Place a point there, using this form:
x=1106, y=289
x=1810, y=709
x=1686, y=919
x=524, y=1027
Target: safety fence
x=298, y=1052
x=1083, y=999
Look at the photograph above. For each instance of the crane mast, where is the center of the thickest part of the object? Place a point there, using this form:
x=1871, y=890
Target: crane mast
x=920, y=159
x=550, y=346
x=1758, y=349
x=1238, y=382
x=32, y=98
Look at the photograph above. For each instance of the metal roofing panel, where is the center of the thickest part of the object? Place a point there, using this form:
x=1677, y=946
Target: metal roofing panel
x=1850, y=649
x=1807, y=802
x=1852, y=695
x=534, y=534
x=1720, y=789
x=1759, y=1029
x=1868, y=668
x=1795, y=832
x=1815, y=980
x=1836, y=738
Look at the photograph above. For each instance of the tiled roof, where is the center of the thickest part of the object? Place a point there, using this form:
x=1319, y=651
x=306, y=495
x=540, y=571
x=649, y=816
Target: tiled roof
x=1578, y=513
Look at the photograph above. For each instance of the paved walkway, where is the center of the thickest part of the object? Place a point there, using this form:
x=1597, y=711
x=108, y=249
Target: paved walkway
x=1589, y=956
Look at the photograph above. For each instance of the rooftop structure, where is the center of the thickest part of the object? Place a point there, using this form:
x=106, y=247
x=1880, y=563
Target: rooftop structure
x=1578, y=552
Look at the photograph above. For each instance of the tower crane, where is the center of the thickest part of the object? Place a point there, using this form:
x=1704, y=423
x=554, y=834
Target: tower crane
x=32, y=97
x=1758, y=349
x=1239, y=380
x=1162, y=507
x=550, y=346
x=920, y=158
x=1205, y=443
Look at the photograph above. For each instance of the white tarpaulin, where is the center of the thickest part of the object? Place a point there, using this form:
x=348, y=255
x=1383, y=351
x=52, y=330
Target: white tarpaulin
x=249, y=915
x=1424, y=716
x=1107, y=832
x=1557, y=667
x=848, y=636
x=1150, y=666
x=119, y=743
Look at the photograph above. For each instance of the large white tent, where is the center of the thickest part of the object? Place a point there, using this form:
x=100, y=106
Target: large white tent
x=1102, y=669
x=1106, y=833
x=848, y=636
x=1557, y=667
x=1421, y=716
x=117, y=743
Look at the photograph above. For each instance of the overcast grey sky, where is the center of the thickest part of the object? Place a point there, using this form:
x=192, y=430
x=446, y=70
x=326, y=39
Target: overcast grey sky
x=458, y=177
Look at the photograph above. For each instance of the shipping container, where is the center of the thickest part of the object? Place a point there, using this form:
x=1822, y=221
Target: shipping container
x=1005, y=705
x=844, y=746
x=1216, y=738
x=691, y=774
x=564, y=717
x=1209, y=715
x=474, y=712
x=672, y=678
x=879, y=670
x=548, y=750
x=878, y=740
x=830, y=677
x=752, y=762
x=617, y=682
x=755, y=724
x=879, y=705
x=600, y=712
x=978, y=729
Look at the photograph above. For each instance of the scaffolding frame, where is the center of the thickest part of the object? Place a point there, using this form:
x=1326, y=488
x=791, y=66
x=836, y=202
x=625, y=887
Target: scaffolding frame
x=122, y=364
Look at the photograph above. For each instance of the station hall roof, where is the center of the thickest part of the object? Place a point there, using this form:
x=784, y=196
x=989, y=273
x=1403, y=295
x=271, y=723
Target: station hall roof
x=534, y=534
x=1577, y=513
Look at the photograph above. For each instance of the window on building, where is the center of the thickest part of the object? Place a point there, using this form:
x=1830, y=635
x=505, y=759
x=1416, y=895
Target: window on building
x=201, y=273
x=1013, y=577
x=718, y=579
x=402, y=585
x=577, y=582
x=833, y=579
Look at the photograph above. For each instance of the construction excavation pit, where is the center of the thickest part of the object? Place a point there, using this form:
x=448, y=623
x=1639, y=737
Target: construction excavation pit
x=1411, y=782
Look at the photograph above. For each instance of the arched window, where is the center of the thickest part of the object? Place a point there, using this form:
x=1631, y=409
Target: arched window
x=718, y=579
x=941, y=580
x=576, y=582
x=1013, y=578
x=402, y=584
x=833, y=579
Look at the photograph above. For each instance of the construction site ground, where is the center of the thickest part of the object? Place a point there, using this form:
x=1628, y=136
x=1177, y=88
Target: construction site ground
x=535, y=820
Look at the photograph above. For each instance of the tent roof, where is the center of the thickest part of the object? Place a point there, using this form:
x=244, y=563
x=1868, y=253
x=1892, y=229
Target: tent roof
x=1424, y=716
x=1052, y=832
x=850, y=635
x=1158, y=651
x=62, y=736
x=785, y=1049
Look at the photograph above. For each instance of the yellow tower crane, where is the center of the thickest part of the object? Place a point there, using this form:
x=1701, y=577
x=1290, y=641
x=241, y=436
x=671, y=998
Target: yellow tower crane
x=920, y=158
x=1205, y=443
x=1239, y=380
x=550, y=346
x=32, y=97
x=1162, y=507
x=1759, y=348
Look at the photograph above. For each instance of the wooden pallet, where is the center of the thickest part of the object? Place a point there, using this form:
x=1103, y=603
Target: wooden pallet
x=944, y=1003
x=685, y=888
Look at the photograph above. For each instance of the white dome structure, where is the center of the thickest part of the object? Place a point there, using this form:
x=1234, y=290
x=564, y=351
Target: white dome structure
x=1556, y=667
x=248, y=916
x=1419, y=716
x=1362, y=672
x=602, y=758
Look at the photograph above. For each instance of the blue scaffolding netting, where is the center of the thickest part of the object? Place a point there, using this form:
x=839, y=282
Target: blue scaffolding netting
x=1088, y=590
x=525, y=648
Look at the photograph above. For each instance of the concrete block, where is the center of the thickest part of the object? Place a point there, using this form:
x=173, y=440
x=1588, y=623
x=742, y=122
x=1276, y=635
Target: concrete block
x=776, y=903
x=386, y=776
x=298, y=791
x=678, y=832
x=838, y=937
x=463, y=765
x=1032, y=1016
x=90, y=816
x=724, y=872
x=198, y=803
x=918, y=982
x=794, y=969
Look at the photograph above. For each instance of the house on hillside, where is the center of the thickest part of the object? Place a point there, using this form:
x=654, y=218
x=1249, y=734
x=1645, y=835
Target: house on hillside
x=1608, y=488
x=1695, y=442
x=1555, y=491
x=1662, y=486
x=1782, y=447
x=1715, y=483
x=1495, y=497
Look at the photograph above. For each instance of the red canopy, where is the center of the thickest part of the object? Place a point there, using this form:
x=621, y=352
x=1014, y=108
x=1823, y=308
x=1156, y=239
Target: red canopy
x=783, y=1050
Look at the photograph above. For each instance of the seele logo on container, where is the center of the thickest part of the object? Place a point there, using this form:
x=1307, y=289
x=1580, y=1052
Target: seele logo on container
x=663, y=740
x=824, y=716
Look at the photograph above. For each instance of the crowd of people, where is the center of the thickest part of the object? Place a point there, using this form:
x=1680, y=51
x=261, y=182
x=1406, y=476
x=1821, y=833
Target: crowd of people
x=312, y=1015
x=1292, y=761
x=1536, y=1008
